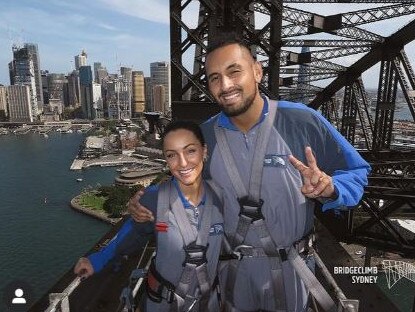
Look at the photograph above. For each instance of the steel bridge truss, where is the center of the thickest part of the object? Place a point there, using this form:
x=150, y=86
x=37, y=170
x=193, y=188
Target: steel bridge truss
x=318, y=59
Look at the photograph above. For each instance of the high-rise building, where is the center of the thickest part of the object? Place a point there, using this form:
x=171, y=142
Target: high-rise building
x=20, y=106
x=126, y=73
x=56, y=83
x=74, y=89
x=97, y=66
x=117, y=99
x=160, y=75
x=97, y=102
x=80, y=60
x=159, y=100
x=100, y=72
x=45, y=89
x=22, y=72
x=85, y=81
x=149, y=94
x=3, y=104
x=34, y=52
x=138, y=97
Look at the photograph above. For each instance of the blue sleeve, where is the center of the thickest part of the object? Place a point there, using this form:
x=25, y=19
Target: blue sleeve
x=301, y=126
x=349, y=180
x=149, y=198
x=131, y=237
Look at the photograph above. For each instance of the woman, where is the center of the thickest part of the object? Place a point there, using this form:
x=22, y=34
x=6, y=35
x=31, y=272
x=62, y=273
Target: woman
x=188, y=229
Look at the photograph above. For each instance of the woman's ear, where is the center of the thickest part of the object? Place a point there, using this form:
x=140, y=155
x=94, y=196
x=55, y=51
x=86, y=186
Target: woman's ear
x=205, y=154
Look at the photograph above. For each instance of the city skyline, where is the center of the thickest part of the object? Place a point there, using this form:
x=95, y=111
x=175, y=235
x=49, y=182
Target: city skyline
x=103, y=29
x=129, y=33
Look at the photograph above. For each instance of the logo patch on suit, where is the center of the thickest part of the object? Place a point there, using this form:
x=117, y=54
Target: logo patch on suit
x=274, y=160
x=216, y=229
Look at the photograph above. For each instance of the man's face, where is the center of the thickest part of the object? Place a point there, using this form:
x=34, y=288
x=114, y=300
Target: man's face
x=233, y=78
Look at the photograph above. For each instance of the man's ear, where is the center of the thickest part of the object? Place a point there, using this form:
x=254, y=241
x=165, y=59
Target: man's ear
x=257, y=71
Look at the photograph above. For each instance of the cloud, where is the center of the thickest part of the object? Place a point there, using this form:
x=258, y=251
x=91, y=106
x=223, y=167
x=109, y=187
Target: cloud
x=154, y=10
x=106, y=26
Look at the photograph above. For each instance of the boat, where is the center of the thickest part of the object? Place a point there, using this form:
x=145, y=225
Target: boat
x=79, y=180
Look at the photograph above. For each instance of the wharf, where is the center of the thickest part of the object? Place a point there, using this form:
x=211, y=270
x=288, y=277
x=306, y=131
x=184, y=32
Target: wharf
x=112, y=160
x=77, y=164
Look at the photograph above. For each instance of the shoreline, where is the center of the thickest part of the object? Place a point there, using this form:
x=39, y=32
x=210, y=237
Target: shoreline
x=97, y=214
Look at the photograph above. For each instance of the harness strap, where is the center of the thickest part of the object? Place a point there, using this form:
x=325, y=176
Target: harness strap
x=311, y=282
x=250, y=206
x=246, y=251
x=195, y=246
x=158, y=288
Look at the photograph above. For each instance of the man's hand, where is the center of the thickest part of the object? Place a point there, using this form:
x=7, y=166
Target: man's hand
x=83, y=268
x=315, y=182
x=138, y=212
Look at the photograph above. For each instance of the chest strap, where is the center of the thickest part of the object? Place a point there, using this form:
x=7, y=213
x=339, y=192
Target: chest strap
x=194, y=245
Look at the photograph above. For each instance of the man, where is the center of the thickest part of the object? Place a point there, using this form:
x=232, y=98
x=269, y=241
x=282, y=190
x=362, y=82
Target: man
x=271, y=161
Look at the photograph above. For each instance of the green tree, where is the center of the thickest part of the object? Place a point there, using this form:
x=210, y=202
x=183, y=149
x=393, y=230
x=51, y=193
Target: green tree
x=118, y=196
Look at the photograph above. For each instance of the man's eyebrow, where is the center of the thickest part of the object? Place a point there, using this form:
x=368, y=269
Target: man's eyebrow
x=232, y=66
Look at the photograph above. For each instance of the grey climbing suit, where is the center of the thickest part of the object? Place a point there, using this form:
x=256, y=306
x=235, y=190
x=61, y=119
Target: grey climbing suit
x=251, y=217
x=192, y=291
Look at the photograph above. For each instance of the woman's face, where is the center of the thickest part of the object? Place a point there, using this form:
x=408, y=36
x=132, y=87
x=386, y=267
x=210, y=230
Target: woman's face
x=184, y=155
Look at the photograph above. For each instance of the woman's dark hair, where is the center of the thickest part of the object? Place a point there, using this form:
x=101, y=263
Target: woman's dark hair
x=184, y=124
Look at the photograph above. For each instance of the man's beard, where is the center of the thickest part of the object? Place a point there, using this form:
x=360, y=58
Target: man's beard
x=246, y=104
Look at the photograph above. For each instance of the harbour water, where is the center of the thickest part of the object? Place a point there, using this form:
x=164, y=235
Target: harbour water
x=41, y=237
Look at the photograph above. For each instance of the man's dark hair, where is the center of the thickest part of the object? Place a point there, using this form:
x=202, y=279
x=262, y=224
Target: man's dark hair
x=224, y=39
x=186, y=125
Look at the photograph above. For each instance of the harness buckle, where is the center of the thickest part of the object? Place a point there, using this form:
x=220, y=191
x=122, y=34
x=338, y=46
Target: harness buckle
x=195, y=254
x=169, y=296
x=251, y=208
x=238, y=253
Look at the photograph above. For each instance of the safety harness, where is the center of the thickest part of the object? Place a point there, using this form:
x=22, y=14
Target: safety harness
x=251, y=216
x=195, y=246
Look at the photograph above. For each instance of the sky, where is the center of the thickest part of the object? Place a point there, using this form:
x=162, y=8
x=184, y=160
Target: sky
x=130, y=33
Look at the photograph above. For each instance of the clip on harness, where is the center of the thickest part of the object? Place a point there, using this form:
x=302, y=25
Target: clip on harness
x=195, y=246
x=250, y=215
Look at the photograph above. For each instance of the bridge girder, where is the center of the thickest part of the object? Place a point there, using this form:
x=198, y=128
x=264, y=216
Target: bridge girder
x=289, y=74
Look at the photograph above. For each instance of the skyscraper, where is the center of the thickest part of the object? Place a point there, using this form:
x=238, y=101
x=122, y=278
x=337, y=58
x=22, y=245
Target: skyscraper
x=97, y=103
x=149, y=94
x=34, y=52
x=160, y=75
x=80, y=60
x=138, y=98
x=19, y=99
x=74, y=89
x=117, y=99
x=3, y=103
x=159, y=93
x=126, y=73
x=56, y=84
x=85, y=80
x=22, y=72
x=45, y=90
x=100, y=72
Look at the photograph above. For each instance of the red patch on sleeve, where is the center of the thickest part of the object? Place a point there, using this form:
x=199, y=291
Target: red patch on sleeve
x=162, y=227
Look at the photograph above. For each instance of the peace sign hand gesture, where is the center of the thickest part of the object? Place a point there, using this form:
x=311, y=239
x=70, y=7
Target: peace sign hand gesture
x=315, y=182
